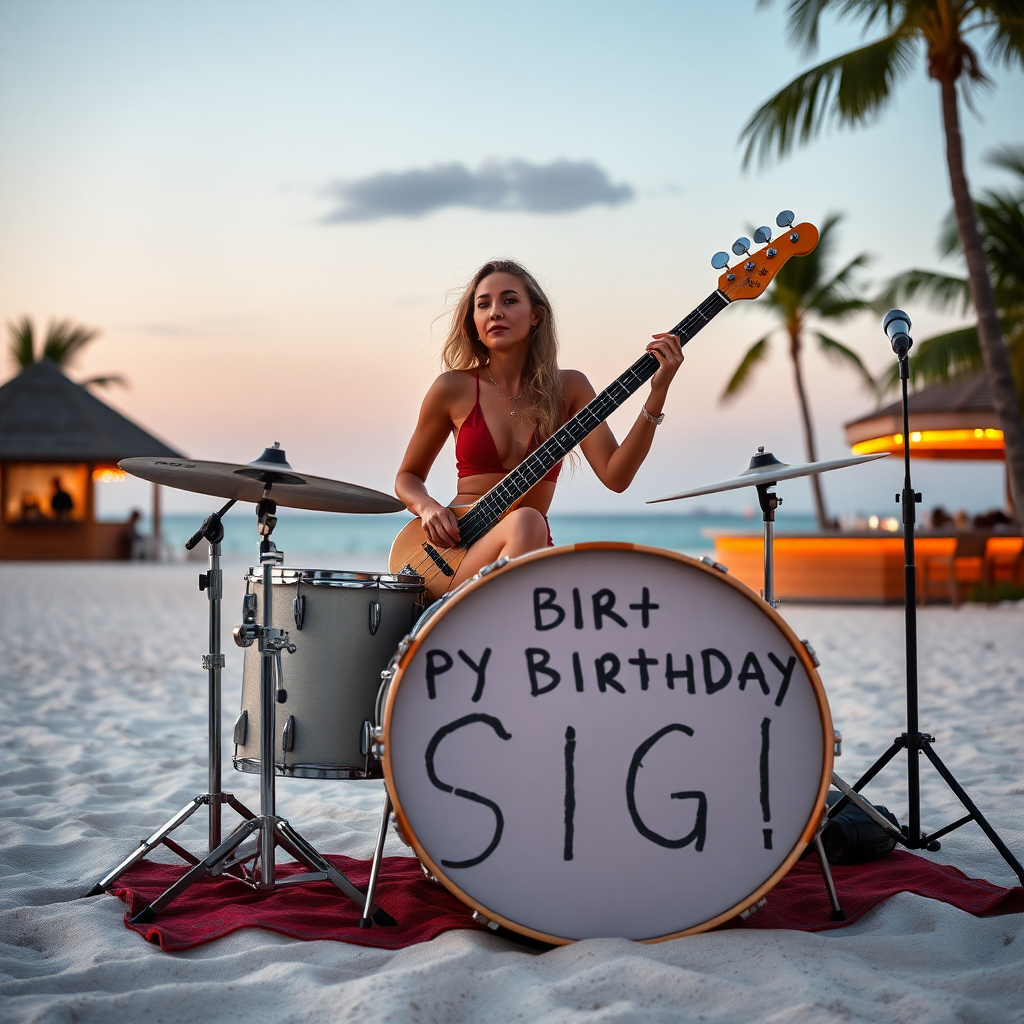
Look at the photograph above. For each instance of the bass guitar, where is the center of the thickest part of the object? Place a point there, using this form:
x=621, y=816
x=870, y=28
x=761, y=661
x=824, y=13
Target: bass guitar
x=747, y=279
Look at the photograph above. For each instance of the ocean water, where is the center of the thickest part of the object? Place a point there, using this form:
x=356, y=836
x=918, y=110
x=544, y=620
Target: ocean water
x=328, y=541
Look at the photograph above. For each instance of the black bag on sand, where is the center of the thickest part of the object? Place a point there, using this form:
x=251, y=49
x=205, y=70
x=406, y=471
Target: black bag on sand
x=851, y=837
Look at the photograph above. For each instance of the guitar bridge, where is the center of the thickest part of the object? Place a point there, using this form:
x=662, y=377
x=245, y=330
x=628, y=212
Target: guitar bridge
x=436, y=558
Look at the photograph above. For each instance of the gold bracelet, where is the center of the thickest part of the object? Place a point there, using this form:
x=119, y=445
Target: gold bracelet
x=656, y=420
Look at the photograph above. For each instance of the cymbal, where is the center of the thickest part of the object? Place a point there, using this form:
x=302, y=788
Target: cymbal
x=247, y=482
x=764, y=468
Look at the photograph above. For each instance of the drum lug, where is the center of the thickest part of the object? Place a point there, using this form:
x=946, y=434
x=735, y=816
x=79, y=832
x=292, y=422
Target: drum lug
x=299, y=610
x=810, y=650
x=371, y=740
x=709, y=561
x=837, y=743
x=288, y=734
x=754, y=909
x=249, y=609
x=487, y=569
x=374, y=617
x=241, y=729
x=480, y=919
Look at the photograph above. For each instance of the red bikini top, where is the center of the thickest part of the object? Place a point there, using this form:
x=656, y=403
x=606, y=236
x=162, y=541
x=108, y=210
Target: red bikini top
x=475, y=451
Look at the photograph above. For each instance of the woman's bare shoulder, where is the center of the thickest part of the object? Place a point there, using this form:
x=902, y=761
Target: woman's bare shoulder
x=452, y=385
x=576, y=385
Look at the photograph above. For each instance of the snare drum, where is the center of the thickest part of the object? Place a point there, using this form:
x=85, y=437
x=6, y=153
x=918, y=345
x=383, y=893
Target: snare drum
x=345, y=626
x=606, y=740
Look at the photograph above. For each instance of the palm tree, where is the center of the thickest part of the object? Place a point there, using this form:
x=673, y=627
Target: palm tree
x=957, y=353
x=63, y=344
x=854, y=88
x=802, y=291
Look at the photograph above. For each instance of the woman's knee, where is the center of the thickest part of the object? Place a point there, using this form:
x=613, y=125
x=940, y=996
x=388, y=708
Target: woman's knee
x=529, y=526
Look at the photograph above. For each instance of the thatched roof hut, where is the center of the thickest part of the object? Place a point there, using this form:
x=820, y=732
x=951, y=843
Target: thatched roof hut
x=56, y=439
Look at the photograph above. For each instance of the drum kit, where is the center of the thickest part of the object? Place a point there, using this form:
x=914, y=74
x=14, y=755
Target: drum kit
x=596, y=740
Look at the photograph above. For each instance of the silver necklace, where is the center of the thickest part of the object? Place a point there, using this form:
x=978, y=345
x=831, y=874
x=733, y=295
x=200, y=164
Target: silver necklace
x=508, y=398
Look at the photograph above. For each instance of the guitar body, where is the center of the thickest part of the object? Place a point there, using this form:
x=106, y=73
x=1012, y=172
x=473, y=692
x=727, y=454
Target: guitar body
x=745, y=280
x=410, y=547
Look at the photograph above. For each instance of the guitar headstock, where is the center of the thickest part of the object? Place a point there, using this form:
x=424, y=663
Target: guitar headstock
x=755, y=271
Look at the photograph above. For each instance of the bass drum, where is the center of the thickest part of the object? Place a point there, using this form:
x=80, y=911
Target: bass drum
x=606, y=740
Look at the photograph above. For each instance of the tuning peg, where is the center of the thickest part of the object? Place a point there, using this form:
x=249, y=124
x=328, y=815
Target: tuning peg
x=741, y=246
x=785, y=219
x=720, y=260
x=762, y=235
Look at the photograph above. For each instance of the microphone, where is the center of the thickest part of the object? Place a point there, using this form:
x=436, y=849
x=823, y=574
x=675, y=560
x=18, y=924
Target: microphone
x=897, y=329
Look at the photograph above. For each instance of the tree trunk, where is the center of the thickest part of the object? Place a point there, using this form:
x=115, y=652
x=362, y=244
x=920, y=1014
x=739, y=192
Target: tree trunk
x=824, y=523
x=990, y=336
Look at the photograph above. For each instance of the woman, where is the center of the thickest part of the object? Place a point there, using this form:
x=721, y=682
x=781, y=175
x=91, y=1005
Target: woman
x=501, y=395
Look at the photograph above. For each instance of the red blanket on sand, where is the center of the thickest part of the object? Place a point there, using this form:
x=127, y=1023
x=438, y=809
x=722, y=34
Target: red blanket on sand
x=423, y=909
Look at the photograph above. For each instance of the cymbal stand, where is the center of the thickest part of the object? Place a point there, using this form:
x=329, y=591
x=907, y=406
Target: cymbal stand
x=769, y=502
x=269, y=830
x=914, y=741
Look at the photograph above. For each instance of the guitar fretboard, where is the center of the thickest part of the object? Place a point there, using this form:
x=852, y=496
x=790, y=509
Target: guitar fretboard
x=490, y=508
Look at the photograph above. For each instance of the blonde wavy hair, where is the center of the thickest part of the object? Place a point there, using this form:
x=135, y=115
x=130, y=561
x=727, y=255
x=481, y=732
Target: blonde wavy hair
x=543, y=400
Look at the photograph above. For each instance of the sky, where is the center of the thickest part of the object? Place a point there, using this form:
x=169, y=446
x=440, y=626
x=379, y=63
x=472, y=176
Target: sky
x=265, y=208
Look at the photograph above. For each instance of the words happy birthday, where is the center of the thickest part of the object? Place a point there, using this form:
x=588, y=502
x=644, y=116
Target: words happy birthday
x=711, y=672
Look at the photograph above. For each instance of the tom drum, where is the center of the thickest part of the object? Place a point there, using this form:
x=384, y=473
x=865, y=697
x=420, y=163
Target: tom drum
x=345, y=626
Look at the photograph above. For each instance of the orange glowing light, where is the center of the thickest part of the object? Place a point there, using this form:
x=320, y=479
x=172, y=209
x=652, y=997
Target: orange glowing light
x=925, y=440
x=108, y=476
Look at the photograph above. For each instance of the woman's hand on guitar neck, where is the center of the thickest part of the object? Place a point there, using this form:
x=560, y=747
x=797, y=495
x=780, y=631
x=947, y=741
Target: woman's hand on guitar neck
x=669, y=353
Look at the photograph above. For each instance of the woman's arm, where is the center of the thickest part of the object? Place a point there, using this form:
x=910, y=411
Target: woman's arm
x=616, y=464
x=433, y=429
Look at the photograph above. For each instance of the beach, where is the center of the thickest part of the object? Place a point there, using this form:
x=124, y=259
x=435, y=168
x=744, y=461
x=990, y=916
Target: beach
x=103, y=734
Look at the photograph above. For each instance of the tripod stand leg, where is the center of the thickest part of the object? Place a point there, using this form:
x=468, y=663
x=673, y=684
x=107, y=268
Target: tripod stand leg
x=852, y=796
x=193, y=875
x=980, y=818
x=897, y=745
x=314, y=859
x=838, y=914
x=378, y=855
x=146, y=845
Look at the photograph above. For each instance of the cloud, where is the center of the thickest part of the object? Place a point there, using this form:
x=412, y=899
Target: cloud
x=511, y=185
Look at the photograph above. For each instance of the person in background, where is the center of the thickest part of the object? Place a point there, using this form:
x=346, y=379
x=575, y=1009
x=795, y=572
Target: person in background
x=131, y=537
x=61, y=503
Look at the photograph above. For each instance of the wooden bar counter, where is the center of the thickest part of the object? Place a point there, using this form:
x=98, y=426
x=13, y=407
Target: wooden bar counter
x=847, y=568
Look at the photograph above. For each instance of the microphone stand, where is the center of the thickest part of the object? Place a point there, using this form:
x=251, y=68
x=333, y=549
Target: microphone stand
x=913, y=740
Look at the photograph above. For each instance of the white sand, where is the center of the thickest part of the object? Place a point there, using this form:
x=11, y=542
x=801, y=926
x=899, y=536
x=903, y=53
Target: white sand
x=103, y=736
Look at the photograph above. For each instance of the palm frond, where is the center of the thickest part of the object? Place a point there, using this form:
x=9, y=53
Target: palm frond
x=22, y=342
x=1006, y=43
x=944, y=292
x=851, y=89
x=1008, y=157
x=838, y=353
x=756, y=354
x=837, y=299
x=65, y=340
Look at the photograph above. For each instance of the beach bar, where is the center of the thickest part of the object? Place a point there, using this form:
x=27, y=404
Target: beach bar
x=56, y=441
x=955, y=420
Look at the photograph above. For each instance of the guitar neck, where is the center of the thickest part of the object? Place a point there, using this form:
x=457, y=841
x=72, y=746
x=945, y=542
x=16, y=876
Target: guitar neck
x=493, y=505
